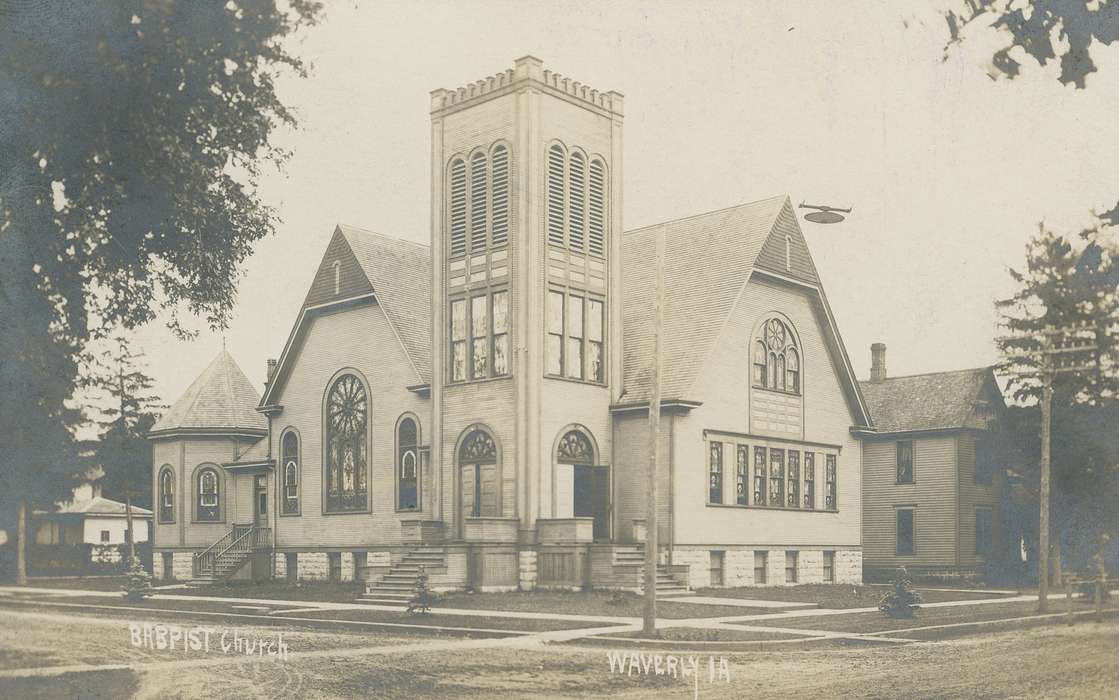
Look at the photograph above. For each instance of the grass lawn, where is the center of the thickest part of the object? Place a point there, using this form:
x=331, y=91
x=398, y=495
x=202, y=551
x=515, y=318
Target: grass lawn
x=85, y=583
x=587, y=603
x=324, y=591
x=833, y=595
x=699, y=634
x=869, y=622
x=435, y=619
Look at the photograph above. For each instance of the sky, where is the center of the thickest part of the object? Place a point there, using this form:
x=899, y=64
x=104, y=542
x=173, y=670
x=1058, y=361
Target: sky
x=850, y=104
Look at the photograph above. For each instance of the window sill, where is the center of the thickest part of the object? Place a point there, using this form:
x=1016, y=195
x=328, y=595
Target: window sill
x=409, y=511
x=773, y=508
x=782, y=392
x=486, y=380
x=296, y=514
x=347, y=512
x=905, y=483
x=575, y=380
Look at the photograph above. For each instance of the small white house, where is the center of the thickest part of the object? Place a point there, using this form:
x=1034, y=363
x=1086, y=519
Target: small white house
x=98, y=520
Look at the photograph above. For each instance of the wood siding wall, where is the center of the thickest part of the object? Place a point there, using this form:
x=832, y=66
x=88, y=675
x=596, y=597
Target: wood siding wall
x=933, y=496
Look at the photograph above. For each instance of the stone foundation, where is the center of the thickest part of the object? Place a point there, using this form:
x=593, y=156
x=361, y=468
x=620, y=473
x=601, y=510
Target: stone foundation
x=526, y=564
x=280, y=568
x=738, y=566
x=848, y=566
x=699, y=565
x=313, y=566
x=182, y=567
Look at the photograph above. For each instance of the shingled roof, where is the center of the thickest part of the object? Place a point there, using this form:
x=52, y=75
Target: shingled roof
x=102, y=506
x=707, y=260
x=920, y=402
x=400, y=272
x=221, y=398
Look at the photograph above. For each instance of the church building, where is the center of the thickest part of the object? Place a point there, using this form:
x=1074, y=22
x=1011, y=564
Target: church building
x=478, y=406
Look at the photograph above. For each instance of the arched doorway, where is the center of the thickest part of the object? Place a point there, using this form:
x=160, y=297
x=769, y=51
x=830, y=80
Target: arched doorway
x=478, y=476
x=576, y=459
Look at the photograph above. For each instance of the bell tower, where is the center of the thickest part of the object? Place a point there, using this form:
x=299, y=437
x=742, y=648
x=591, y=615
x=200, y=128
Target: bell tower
x=526, y=224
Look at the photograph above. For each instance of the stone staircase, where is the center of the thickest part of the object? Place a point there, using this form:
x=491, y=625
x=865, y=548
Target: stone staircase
x=667, y=584
x=398, y=585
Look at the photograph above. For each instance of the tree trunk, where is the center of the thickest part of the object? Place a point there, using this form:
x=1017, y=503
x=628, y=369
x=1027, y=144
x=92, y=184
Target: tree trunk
x=1056, y=560
x=129, y=533
x=21, y=545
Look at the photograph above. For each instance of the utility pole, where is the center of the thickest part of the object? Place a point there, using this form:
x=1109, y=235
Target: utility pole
x=649, y=627
x=1051, y=366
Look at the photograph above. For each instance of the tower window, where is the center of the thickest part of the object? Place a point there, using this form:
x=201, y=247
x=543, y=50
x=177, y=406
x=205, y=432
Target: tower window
x=576, y=218
x=596, y=229
x=480, y=336
x=477, y=203
x=556, y=195
x=576, y=336
x=458, y=208
x=499, y=183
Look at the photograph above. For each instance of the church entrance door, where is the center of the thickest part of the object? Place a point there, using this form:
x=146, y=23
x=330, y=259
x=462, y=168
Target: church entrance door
x=592, y=497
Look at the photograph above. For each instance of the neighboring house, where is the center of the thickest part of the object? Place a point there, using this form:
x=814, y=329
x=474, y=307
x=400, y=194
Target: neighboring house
x=933, y=470
x=97, y=521
x=479, y=406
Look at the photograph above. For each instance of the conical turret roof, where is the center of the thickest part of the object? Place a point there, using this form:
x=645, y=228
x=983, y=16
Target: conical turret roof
x=221, y=399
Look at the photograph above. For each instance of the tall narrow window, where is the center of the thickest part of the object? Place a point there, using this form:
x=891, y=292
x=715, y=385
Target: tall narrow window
x=904, y=531
x=408, y=460
x=759, y=476
x=596, y=230
x=478, y=197
x=209, y=496
x=347, y=443
x=761, y=559
x=791, y=558
x=458, y=340
x=574, y=350
x=595, y=367
x=499, y=184
x=776, y=359
x=830, y=502
x=809, y=480
x=776, y=476
x=576, y=215
x=793, y=481
x=715, y=490
x=555, y=332
x=289, y=458
x=458, y=208
x=905, y=462
x=984, y=532
x=556, y=195
x=166, y=495
x=742, y=483
x=500, y=333
x=479, y=335
x=829, y=567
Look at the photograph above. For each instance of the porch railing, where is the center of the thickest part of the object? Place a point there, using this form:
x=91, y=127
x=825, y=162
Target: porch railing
x=205, y=560
x=262, y=537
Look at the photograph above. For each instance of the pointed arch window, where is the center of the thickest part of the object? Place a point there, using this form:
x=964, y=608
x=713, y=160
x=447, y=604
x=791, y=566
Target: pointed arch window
x=209, y=496
x=289, y=459
x=347, y=446
x=166, y=495
x=408, y=464
x=776, y=359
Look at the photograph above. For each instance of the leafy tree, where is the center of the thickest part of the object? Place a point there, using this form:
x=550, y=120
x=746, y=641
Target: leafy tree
x=1044, y=30
x=132, y=136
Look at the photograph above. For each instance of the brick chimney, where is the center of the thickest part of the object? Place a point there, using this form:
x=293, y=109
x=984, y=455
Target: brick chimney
x=878, y=362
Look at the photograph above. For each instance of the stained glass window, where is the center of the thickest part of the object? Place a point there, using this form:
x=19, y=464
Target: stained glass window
x=594, y=341
x=742, y=483
x=575, y=448
x=479, y=322
x=716, y=474
x=347, y=446
x=809, y=480
x=500, y=333
x=759, y=476
x=555, y=332
x=289, y=457
x=408, y=455
x=776, y=476
x=574, y=352
x=166, y=495
x=793, y=473
x=458, y=340
x=829, y=482
x=209, y=503
x=776, y=360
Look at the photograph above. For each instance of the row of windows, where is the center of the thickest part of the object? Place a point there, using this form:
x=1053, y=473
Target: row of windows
x=904, y=460
x=207, y=493
x=576, y=332
x=576, y=211
x=761, y=565
x=479, y=202
x=905, y=531
x=780, y=478
x=480, y=336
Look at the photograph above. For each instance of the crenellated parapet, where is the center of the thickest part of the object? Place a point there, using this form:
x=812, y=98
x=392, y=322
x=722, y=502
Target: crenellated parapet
x=525, y=69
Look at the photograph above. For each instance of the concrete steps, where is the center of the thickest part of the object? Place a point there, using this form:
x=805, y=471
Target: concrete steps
x=399, y=584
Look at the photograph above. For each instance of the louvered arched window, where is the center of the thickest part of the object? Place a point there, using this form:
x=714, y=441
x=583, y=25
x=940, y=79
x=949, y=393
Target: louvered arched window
x=499, y=184
x=556, y=195
x=478, y=198
x=577, y=200
x=458, y=208
x=596, y=228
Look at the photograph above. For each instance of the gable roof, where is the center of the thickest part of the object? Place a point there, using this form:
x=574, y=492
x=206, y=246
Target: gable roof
x=708, y=260
x=398, y=275
x=102, y=506
x=221, y=398
x=922, y=402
